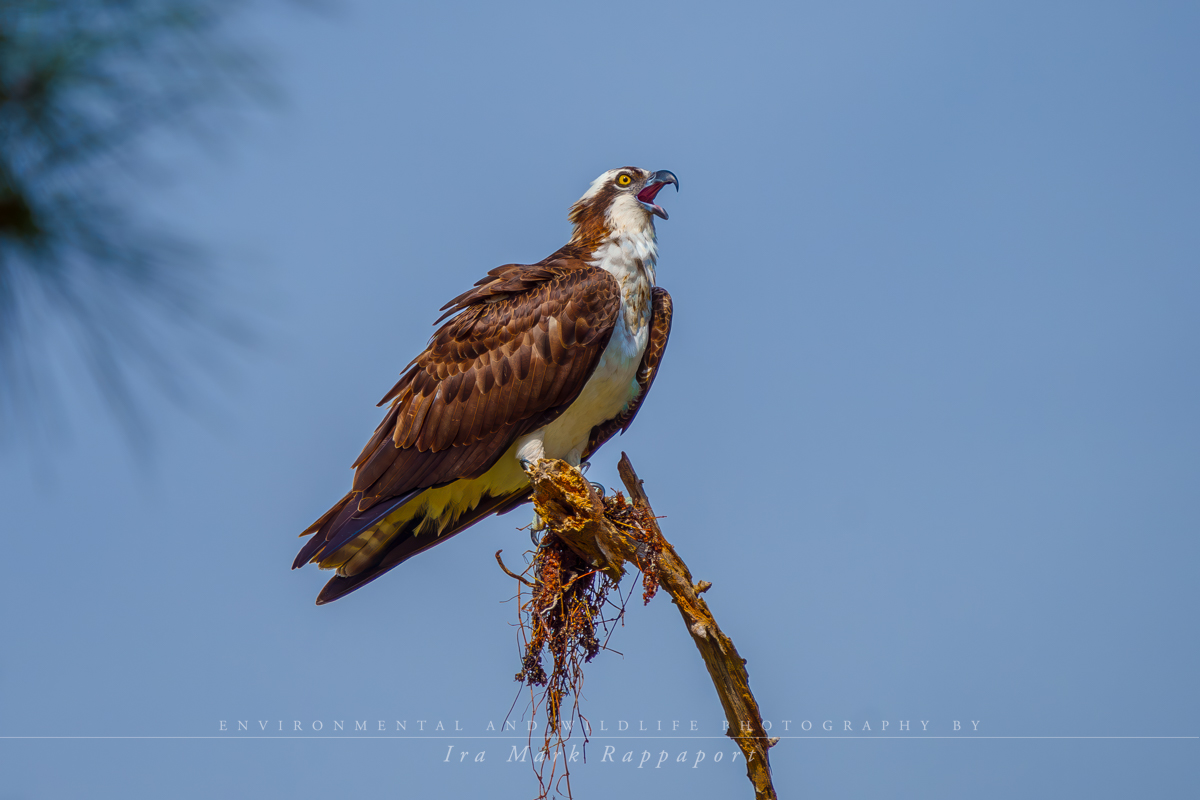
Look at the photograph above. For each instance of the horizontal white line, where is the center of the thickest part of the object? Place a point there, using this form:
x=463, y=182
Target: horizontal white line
x=578, y=737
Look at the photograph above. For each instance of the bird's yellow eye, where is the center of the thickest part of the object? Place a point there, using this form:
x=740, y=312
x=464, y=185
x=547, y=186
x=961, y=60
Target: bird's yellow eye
x=624, y=180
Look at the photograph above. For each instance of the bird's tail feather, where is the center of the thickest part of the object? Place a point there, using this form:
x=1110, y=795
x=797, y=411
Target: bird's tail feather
x=341, y=524
x=414, y=534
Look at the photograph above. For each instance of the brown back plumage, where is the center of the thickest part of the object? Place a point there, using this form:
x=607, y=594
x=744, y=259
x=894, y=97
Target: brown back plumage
x=517, y=352
x=520, y=349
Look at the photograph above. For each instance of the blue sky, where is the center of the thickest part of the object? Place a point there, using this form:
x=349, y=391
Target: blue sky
x=927, y=420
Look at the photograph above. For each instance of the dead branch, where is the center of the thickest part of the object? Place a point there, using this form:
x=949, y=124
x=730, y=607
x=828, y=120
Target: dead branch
x=510, y=573
x=606, y=535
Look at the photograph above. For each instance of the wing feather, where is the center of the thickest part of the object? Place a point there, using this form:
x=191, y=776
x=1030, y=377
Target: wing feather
x=515, y=353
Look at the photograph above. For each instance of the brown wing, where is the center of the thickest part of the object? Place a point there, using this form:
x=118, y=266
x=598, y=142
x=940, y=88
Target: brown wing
x=660, y=331
x=522, y=346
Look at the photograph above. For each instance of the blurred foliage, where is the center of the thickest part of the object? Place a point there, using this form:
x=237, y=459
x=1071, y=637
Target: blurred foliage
x=87, y=89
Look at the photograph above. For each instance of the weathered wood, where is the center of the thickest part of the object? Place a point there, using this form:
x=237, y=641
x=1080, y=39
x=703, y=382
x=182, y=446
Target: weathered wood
x=573, y=511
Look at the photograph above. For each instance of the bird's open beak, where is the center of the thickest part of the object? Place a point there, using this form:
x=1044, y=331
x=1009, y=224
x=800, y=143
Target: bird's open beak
x=653, y=187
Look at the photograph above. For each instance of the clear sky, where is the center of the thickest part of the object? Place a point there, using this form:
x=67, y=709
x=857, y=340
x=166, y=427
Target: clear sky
x=928, y=419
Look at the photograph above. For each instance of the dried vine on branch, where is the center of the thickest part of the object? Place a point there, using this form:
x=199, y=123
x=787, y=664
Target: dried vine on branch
x=589, y=537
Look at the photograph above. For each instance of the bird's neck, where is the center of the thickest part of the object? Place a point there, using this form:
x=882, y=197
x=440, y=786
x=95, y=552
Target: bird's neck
x=628, y=254
x=630, y=257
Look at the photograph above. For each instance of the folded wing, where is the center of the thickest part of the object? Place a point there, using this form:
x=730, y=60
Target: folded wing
x=517, y=352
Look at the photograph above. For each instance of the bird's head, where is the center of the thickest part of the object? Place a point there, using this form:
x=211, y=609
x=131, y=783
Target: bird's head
x=620, y=201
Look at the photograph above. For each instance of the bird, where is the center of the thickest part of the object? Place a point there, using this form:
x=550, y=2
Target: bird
x=545, y=360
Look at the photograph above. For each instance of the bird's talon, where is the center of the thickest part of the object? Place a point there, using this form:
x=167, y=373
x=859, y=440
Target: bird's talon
x=598, y=487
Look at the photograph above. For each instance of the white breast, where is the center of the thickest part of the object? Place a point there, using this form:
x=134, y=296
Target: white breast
x=630, y=259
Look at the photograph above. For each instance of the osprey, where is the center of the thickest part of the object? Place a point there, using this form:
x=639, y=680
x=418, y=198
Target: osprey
x=545, y=360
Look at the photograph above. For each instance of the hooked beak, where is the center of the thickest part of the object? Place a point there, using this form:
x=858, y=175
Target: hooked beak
x=653, y=186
